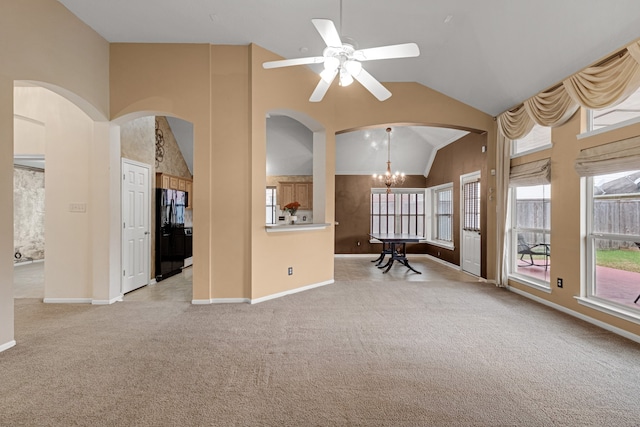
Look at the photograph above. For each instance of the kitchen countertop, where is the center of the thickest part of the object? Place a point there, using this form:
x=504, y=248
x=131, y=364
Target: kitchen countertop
x=271, y=228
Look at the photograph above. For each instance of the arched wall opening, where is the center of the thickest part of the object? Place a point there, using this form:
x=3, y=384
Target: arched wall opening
x=158, y=147
x=72, y=139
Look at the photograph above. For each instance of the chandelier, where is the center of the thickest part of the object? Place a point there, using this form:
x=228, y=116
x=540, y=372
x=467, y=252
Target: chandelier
x=389, y=179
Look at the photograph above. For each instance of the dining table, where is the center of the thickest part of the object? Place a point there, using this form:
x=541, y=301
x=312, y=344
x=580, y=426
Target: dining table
x=395, y=245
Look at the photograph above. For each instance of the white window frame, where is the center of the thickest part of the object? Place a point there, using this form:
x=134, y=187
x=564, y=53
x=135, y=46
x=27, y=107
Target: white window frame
x=513, y=231
x=396, y=214
x=274, y=207
x=587, y=296
x=514, y=144
x=431, y=216
x=590, y=131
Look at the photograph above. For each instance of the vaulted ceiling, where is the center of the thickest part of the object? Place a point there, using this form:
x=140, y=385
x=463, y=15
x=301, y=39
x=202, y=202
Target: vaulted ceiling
x=490, y=54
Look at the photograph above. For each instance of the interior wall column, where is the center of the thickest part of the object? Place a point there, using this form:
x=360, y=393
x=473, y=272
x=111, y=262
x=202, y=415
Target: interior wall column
x=7, y=339
x=105, y=214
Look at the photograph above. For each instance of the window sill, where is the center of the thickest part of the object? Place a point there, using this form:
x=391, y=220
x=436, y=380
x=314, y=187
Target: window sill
x=609, y=128
x=541, y=286
x=276, y=228
x=613, y=310
x=440, y=244
x=533, y=150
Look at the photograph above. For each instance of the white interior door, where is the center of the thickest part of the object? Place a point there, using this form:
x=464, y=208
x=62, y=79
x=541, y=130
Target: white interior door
x=136, y=189
x=471, y=236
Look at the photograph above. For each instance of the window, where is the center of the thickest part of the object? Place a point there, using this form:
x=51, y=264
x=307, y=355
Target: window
x=471, y=221
x=401, y=211
x=613, y=238
x=443, y=214
x=271, y=205
x=627, y=110
x=530, y=233
x=439, y=220
x=539, y=138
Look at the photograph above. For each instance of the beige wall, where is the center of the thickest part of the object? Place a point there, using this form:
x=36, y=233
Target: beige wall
x=567, y=232
x=238, y=257
x=225, y=93
x=68, y=135
x=47, y=44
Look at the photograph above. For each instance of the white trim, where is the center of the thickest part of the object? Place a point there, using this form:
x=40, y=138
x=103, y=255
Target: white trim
x=7, y=345
x=153, y=281
x=219, y=301
x=119, y=298
x=526, y=281
x=374, y=255
x=229, y=300
x=603, y=325
x=33, y=261
x=440, y=243
x=275, y=228
x=292, y=291
x=610, y=309
x=533, y=150
x=609, y=128
x=68, y=300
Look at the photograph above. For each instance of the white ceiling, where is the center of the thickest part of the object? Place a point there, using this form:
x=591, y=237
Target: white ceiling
x=490, y=54
x=362, y=152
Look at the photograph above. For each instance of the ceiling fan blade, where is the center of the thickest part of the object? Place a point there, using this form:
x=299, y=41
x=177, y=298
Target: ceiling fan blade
x=406, y=50
x=328, y=32
x=372, y=85
x=290, y=62
x=322, y=87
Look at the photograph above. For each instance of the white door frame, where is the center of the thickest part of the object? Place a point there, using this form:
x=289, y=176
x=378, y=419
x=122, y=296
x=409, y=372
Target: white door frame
x=468, y=177
x=122, y=230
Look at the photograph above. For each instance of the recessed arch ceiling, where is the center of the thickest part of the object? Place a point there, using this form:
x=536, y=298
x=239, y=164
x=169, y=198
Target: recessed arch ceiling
x=491, y=55
x=359, y=152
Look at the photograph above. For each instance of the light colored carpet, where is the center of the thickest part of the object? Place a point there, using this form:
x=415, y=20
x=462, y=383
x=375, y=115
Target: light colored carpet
x=355, y=353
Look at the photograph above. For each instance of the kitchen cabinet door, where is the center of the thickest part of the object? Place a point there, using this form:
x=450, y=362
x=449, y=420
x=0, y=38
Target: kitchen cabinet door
x=303, y=194
x=189, y=191
x=287, y=193
x=173, y=182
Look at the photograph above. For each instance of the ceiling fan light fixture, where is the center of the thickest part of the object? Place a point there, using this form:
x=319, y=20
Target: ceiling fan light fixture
x=345, y=78
x=353, y=67
x=328, y=75
x=331, y=63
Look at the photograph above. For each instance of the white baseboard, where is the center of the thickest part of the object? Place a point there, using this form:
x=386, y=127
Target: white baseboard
x=261, y=299
x=107, y=301
x=7, y=345
x=68, y=300
x=220, y=301
x=603, y=325
x=292, y=291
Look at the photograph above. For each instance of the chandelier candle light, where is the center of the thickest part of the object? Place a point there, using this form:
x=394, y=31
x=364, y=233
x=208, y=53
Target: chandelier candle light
x=388, y=178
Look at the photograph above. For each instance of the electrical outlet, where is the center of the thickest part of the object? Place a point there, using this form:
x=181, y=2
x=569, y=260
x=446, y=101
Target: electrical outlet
x=290, y=271
x=560, y=282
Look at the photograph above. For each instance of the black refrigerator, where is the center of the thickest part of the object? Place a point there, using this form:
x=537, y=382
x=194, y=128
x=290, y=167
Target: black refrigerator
x=170, y=232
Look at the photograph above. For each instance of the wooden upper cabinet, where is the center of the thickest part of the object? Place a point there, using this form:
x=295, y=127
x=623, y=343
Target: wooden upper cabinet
x=164, y=181
x=301, y=192
x=304, y=194
x=286, y=194
x=189, y=191
x=173, y=182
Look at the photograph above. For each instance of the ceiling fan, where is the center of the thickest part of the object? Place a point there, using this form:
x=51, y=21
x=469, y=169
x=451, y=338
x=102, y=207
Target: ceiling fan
x=343, y=59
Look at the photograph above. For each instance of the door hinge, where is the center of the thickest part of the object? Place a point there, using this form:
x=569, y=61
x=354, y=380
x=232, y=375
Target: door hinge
x=123, y=273
x=124, y=225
